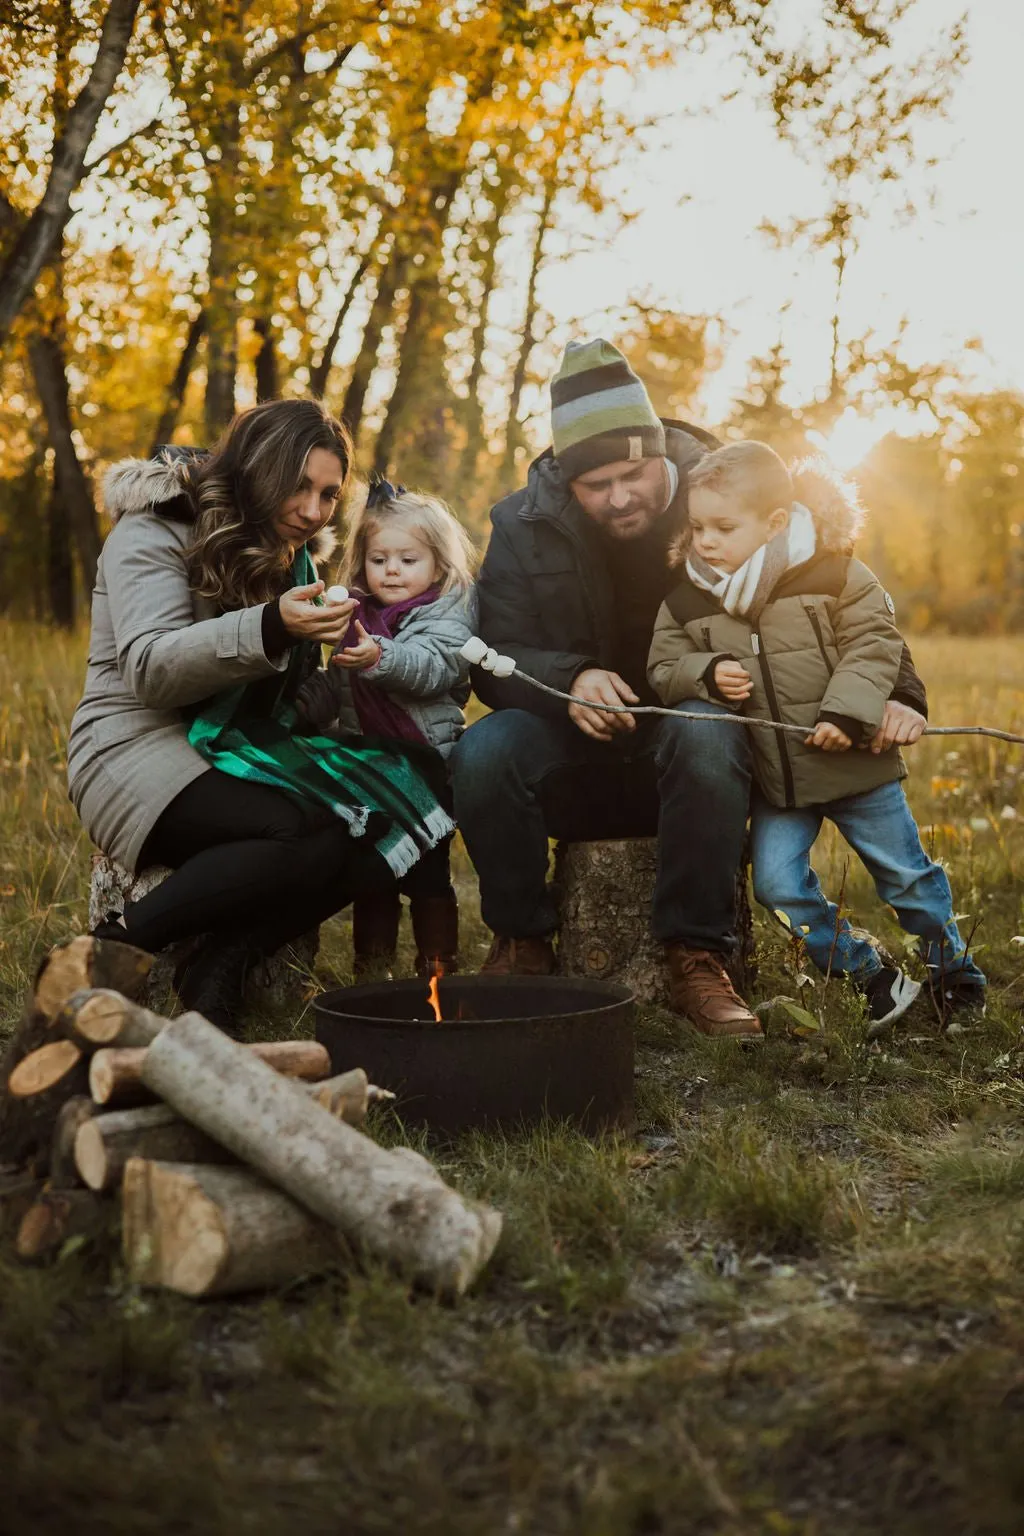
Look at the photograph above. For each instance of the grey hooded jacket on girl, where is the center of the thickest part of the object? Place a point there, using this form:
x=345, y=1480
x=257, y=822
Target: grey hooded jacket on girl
x=155, y=648
x=421, y=668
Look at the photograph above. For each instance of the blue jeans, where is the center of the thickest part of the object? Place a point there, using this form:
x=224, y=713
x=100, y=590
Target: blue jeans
x=880, y=828
x=520, y=779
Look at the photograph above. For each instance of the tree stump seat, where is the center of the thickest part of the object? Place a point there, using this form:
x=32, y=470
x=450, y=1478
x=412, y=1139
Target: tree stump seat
x=278, y=981
x=604, y=891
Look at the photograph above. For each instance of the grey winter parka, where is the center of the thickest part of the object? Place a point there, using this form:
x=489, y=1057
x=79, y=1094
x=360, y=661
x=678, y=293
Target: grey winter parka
x=825, y=647
x=420, y=667
x=155, y=649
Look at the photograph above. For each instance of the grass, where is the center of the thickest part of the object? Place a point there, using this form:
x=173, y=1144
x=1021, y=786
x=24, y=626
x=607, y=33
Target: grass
x=792, y=1303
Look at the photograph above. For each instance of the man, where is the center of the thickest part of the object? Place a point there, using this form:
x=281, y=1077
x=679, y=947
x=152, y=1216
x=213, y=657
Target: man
x=574, y=574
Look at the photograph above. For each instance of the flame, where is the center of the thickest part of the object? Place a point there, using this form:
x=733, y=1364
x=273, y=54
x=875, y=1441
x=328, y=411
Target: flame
x=433, y=996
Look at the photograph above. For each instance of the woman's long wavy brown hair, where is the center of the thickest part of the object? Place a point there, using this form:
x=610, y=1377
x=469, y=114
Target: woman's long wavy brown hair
x=236, y=558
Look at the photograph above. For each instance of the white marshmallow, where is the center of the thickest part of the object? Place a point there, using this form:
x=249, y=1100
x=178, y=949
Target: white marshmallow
x=504, y=666
x=336, y=595
x=473, y=651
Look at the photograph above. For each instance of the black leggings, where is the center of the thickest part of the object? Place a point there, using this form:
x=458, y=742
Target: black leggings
x=249, y=860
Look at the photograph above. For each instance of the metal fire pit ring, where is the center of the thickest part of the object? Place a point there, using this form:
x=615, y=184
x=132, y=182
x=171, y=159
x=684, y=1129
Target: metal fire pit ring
x=509, y=1050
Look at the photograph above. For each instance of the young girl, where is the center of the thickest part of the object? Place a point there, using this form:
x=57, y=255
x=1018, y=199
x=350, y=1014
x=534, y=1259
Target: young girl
x=397, y=673
x=775, y=619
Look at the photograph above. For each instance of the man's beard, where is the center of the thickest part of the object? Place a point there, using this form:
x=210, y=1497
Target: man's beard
x=633, y=523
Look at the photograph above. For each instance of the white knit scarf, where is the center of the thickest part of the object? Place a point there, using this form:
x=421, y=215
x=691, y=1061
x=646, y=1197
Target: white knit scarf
x=748, y=588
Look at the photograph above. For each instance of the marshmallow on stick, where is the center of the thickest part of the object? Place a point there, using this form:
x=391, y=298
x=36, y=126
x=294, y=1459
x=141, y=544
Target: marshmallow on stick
x=479, y=654
x=336, y=594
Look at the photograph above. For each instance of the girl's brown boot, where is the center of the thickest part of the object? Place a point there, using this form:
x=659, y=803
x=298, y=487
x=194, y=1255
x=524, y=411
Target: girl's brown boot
x=435, y=927
x=375, y=920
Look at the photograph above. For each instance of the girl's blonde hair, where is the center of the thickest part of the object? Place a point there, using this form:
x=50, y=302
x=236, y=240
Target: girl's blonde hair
x=437, y=526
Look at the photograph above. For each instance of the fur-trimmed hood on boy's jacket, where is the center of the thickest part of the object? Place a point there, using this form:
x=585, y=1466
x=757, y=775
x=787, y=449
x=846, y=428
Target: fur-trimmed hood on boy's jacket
x=824, y=646
x=156, y=648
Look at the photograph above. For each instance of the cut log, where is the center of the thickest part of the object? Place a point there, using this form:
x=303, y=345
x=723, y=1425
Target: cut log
x=26, y=1128
x=63, y=1165
x=43, y=1069
x=115, y=1075
x=158, y=1133
x=103, y=1018
x=206, y=1231
x=604, y=891
x=280, y=980
x=57, y=1216
x=380, y=1202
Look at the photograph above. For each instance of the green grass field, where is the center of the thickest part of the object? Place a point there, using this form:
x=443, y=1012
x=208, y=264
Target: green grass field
x=792, y=1304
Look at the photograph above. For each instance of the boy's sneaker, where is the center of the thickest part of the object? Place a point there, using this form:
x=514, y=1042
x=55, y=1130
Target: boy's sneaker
x=957, y=1003
x=889, y=994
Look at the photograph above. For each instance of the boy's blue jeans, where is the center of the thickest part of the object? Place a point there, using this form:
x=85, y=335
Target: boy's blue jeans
x=880, y=828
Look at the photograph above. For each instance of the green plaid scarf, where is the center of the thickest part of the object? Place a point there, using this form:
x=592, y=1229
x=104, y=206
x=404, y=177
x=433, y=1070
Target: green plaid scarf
x=253, y=732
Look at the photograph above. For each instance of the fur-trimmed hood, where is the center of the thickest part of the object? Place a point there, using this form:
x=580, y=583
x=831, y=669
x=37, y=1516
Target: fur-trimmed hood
x=162, y=486
x=833, y=503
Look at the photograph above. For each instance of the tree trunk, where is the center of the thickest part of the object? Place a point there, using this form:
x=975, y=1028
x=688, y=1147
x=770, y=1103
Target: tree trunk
x=321, y=371
x=222, y=277
x=375, y=1199
x=513, y=429
x=605, y=890
x=116, y=1076
x=176, y=393
x=60, y=565
x=388, y=283
x=39, y=237
x=46, y=353
x=206, y=1231
x=474, y=413
x=267, y=387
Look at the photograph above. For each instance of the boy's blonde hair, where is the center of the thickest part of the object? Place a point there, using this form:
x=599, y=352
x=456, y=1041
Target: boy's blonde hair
x=750, y=471
x=432, y=519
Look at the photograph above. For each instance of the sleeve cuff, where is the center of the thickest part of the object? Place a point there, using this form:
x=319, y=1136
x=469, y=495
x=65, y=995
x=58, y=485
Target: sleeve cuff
x=912, y=700
x=276, y=639
x=853, y=728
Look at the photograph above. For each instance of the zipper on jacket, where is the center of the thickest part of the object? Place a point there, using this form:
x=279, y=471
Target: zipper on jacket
x=816, y=626
x=773, y=709
x=705, y=631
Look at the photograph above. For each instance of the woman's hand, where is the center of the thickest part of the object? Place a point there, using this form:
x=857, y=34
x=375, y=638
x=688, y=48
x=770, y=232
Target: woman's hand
x=733, y=681
x=303, y=619
x=359, y=657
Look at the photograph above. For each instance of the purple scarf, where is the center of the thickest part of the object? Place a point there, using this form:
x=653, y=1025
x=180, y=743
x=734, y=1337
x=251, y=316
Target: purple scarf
x=378, y=713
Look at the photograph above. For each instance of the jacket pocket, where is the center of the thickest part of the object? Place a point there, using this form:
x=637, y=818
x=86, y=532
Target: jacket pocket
x=814, y=620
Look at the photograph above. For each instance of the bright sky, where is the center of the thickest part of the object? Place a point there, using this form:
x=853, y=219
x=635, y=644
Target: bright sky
x=955, y=272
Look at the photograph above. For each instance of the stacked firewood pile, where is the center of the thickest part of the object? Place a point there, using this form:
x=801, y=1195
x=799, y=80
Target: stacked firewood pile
x=237, y=1167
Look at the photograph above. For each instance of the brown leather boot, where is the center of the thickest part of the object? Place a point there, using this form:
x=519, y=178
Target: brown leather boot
x=435, y=927
x=700, y=989
x=519, y=957
x=375, y=920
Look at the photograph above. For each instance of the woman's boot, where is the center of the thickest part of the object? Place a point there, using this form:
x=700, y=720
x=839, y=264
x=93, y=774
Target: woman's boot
x=375, y=920
x=211, y=980
x=435, y=927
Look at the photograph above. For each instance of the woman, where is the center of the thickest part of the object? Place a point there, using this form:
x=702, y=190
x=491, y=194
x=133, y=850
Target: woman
x=206, y=618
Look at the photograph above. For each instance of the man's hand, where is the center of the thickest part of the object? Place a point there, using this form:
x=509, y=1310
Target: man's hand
x=901, y=726
x=733, y=681
x=828, y=737
x=357, y=658
x=606, y=688
x=302, y=617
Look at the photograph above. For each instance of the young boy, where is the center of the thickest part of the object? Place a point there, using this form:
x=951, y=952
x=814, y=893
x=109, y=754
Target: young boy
x=775, y=619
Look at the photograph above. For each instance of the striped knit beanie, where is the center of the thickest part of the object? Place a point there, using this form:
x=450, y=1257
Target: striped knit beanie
x=600, y=411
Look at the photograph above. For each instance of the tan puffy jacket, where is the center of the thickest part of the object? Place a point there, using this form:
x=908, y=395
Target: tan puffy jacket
x=825, y=646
